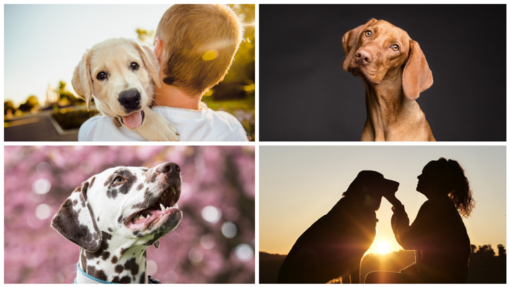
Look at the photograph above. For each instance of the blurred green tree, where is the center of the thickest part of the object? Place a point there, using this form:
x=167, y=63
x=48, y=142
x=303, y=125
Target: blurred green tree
x=31, y=104
x=9, y=105
x=66, y=97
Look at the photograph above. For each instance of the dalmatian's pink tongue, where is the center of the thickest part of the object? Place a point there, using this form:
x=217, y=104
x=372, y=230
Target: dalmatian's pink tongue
x=134, y=120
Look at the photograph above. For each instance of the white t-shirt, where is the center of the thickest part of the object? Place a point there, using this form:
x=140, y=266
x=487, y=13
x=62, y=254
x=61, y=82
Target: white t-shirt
x=192, y=125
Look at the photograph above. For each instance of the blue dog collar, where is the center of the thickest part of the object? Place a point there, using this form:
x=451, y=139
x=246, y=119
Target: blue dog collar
x=85, y=278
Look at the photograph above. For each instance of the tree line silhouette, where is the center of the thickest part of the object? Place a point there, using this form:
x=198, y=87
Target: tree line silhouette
x=484, y=265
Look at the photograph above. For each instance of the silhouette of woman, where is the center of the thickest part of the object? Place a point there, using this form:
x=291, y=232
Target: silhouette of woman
x=437, y=235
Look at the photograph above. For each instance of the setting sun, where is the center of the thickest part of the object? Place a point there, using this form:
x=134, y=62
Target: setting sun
x=383, y=247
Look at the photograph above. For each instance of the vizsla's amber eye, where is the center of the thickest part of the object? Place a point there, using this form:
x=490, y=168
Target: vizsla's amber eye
x=394, y=47
x=368, y=33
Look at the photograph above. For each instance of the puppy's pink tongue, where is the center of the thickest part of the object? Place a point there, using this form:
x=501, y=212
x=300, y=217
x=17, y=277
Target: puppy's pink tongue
x=134, y=120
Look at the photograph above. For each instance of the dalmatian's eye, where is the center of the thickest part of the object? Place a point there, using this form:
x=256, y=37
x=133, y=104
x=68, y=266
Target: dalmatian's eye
x=394, y=47
x=101, y=76
x=118, y=179
x=134, y=66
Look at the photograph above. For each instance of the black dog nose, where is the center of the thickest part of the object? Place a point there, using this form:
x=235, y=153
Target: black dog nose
x=168, y=167
x=130, y=99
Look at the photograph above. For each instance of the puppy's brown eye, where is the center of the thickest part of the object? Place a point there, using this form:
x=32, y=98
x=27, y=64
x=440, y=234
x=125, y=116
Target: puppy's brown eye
x=134, y=66
x=101, y=76
x=368, y=33
x=394, y=47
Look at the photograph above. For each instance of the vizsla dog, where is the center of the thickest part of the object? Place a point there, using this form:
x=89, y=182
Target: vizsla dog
x=334, y=245
x=395, y=72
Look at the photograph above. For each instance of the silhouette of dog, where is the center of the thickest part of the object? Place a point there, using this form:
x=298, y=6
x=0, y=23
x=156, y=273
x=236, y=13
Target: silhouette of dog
x=334, y=245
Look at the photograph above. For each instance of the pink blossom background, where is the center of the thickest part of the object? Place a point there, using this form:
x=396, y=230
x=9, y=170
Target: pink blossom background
x=196, y=252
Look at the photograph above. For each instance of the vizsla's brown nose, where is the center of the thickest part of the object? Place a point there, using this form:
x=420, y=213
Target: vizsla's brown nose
x=363, y=57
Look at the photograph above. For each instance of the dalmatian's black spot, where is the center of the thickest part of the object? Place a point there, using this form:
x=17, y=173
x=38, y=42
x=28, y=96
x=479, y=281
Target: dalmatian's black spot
x=97, y=262
x=109, y=179
x=83, y=260
x=122, y=250
x=145, y=169
x=99, y=274
x=66, y=222
x=112, y=192
x=105, y=255
x=147, y=198
x=109, y=229
x=92, y=181
x=124, y=279
x=75, y=202
x=84, y=189
x=119, y=268
x=142, y=278
x=130, y=180
x=131, y=265
x=134, y=279
x=121, y=219
x=104, y=246
x=139, y=187
x=151, y=177
x=136, y=233
x=114, y=259
x=98, y=218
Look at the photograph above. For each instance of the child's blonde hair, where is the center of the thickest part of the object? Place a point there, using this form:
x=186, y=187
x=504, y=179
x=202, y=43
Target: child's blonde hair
x=200, y=42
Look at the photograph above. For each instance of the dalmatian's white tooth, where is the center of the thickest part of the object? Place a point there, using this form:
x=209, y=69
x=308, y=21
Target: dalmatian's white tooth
x=173, y=189
x=148, y=215
x=175, y=205
x=162, y=207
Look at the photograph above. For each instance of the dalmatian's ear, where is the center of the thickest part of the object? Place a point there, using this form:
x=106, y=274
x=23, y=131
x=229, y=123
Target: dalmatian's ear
x=75, y=221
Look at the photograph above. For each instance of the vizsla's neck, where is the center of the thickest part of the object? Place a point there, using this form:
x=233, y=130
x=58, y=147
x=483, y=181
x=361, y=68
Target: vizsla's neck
x=385, y=103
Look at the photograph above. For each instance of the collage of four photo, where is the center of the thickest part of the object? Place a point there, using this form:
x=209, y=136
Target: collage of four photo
x=230, y=143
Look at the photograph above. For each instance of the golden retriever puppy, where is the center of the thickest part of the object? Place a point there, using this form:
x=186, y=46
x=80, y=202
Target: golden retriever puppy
x=119, y=74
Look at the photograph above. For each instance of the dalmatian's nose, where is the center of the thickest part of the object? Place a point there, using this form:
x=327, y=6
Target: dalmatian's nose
x=168, y=167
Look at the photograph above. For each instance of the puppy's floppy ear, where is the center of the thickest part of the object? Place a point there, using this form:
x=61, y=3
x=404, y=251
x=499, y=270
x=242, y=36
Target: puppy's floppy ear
x=74, y=220
x=150, y=60
x=82, y=82
x=350, y=42
x=417, y=75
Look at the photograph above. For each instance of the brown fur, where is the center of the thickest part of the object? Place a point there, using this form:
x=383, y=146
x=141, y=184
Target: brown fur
x=393, y=81
x=189, y=31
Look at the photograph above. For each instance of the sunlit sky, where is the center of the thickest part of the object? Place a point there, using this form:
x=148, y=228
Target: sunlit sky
x=43, y=43
x=298, y=185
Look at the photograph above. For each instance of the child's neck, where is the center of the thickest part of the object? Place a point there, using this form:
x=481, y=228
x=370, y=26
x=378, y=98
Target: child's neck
x=171, y=96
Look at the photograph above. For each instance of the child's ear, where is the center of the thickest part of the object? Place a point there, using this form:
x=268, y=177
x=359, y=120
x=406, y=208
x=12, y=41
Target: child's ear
x=158, y=48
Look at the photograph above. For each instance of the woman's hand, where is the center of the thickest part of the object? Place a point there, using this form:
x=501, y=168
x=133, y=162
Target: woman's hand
x=393, y=200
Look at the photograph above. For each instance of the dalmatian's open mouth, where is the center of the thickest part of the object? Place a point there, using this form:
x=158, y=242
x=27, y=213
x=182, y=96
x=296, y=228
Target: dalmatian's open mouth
x=157, y=212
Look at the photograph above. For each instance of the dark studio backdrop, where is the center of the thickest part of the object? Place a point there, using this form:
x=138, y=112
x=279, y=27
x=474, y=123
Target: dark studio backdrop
x=306, y=96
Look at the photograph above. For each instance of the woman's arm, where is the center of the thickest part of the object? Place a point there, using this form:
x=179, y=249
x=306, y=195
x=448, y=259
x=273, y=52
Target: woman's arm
x=411, y=237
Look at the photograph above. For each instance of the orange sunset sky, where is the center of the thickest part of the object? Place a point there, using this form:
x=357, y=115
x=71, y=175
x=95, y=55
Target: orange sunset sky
x=299, y=184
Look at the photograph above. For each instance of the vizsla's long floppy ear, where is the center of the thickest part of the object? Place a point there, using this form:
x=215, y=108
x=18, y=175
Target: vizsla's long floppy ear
x=75, y=221
x=150, y=60
x=417, y=75
x=82, y=83
x=350, y=42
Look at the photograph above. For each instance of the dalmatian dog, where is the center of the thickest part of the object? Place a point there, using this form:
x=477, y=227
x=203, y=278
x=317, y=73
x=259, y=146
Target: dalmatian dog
x=115, y=215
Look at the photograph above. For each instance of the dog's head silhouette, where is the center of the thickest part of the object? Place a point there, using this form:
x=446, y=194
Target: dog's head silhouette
x=369, y=187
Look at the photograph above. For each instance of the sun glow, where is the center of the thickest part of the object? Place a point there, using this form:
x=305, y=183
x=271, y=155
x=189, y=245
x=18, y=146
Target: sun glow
x=383, y=247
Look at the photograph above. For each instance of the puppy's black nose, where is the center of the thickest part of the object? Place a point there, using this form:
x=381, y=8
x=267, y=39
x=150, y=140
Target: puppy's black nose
x=168, y=167
x=130, y=99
